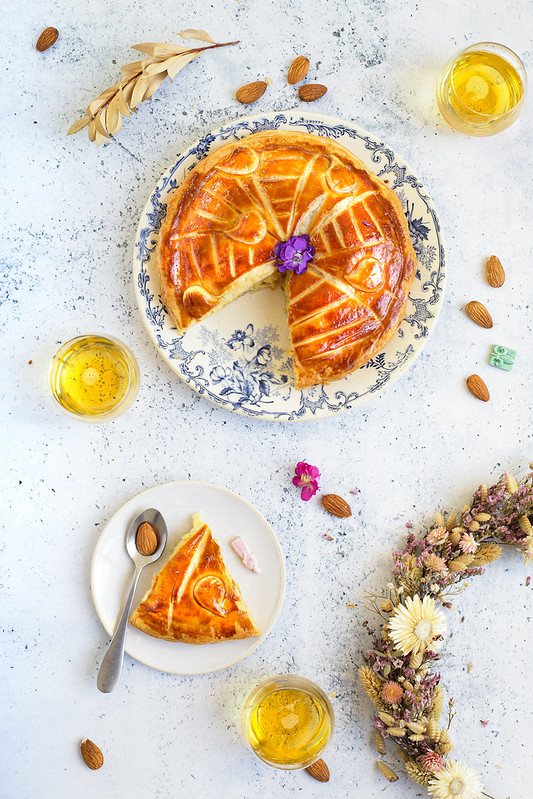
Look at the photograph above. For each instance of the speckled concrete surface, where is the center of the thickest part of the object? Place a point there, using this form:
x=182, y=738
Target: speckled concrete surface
x=70, y=213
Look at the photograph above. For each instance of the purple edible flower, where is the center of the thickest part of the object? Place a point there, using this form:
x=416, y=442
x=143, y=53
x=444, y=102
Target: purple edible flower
x=294, y=254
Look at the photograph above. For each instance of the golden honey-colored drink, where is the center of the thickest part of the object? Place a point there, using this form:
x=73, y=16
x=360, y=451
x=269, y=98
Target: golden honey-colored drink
x=94, y=377
x=485, y=83
x=482, y=91
x=288, y=722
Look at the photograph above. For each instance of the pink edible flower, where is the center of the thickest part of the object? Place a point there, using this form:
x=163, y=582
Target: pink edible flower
x=306, y=478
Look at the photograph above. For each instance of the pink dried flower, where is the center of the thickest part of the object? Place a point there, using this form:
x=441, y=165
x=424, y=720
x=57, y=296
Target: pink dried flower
x=432, y=761
x=392, y=693
x=306, y=478
x=484, y=722
x=468, y=543
x=437, y=536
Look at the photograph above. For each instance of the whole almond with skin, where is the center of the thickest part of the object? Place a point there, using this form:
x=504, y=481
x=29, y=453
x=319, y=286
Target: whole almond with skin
x=319, y=771
x=298, y=69
x=479, y=314
x=146, y=539
x=91, y=754
x=311, y=92
x=47, y=38
x=336, y=505
x=477, y=387
x=495, y=272
x=251, y=92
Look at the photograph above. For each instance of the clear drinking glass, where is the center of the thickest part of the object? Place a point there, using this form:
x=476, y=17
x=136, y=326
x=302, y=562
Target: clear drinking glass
x=94, y=377
x=288, y=721
x=482, y=90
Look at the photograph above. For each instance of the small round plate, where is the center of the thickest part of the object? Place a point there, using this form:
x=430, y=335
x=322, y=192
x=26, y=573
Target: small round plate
x=239, y=356
x=229, y=516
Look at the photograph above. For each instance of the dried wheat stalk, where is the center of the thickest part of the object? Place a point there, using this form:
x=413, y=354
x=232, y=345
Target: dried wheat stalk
x=140, y=80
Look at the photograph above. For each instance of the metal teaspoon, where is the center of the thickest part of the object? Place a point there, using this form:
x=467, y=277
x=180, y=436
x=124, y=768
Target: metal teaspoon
x=111, y=665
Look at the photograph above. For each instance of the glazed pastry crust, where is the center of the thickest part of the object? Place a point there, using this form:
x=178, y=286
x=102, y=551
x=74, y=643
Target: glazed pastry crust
x=222, y=224
x=193, y=598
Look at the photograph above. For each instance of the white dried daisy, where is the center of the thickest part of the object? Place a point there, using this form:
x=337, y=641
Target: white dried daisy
x=456, y=781
x=414, y=626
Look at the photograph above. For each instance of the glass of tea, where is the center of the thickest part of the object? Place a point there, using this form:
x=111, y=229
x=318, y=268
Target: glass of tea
x=482, y=90
x=287, y=721
x=94, y=377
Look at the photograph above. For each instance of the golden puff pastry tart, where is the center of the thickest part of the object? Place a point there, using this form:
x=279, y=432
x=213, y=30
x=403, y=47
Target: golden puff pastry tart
x=219, y=239
x=193, y=598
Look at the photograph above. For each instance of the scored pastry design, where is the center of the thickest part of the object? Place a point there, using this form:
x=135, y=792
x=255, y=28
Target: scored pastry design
x=223, y=223
x=193, y=598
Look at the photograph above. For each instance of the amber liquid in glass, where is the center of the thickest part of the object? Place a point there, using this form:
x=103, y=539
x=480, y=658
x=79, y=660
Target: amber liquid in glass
x=482, y=92
x=91, y=376
x=484, y=83
x=287, y=727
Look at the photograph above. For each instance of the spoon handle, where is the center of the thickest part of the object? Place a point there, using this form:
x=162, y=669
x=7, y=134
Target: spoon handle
x=111, y=665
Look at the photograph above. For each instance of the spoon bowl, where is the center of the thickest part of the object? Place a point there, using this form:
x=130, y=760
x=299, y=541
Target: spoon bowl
x=158, y=524
x=111, y=665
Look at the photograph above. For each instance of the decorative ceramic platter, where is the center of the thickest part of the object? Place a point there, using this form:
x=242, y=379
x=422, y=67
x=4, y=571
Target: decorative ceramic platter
x=239, y=357
x=228, y=515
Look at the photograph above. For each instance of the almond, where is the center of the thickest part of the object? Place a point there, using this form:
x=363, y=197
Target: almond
x=319, y=770
x=477, y=387
x=47, y=38
x=336, y=505
x=311, y=92
x=495, y=272
x=146, y=539
x=91, y=754
x=479, y=314
x=298, y=69
x=251, y=92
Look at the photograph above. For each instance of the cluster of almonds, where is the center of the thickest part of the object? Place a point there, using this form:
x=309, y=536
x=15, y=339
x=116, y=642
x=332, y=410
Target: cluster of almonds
x=299, y=68
x=481, y=316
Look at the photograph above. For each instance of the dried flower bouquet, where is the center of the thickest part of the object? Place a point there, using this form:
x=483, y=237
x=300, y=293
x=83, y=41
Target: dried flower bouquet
x=397, y=675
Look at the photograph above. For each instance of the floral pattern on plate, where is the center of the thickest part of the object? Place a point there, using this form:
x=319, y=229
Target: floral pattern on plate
x=240, y=357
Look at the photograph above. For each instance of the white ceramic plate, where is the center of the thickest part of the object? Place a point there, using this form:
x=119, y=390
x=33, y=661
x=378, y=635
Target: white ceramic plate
x=239, y=357
x=228, y=515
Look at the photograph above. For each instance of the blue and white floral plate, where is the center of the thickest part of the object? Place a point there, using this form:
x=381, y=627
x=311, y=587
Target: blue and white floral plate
x=240, y=357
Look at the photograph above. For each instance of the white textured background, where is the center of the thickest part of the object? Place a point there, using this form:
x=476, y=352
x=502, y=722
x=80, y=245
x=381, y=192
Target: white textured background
x=69, y=214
